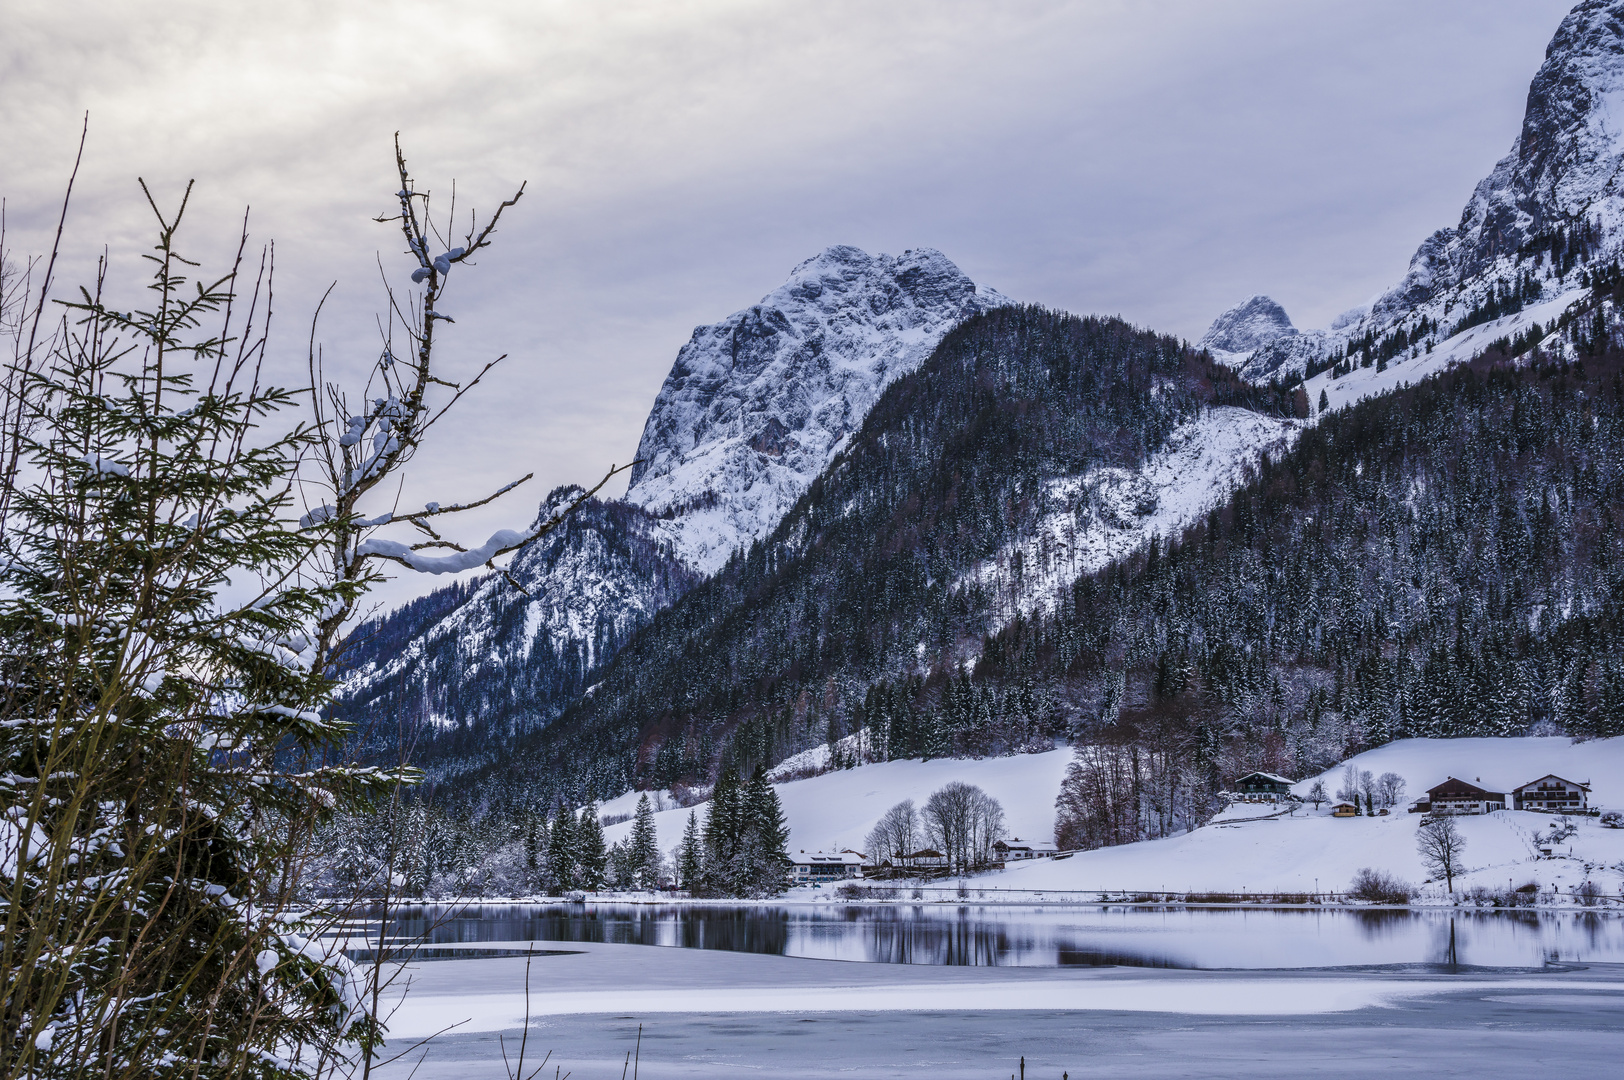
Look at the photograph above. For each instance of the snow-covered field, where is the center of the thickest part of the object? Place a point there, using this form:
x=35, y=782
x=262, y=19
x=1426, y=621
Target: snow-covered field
x=837, y=809
x=1311, y=851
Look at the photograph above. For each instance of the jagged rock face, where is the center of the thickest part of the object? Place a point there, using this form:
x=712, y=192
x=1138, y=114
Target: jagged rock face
x=1246, y=327
x=1285, y=354
x=1563, y=168
x=757, y=404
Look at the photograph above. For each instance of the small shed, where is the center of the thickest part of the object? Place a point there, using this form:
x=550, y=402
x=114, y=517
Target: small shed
x=1551, y=792
x=1456, y=796
x=1344, y=809
x=1263, y=787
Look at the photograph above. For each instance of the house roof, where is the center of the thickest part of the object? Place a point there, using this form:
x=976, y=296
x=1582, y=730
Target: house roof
x=826, y=858
x=923, y=853
x=1025, y=845
x=1552, y=776
x=1276, y=777
x=1457, y=787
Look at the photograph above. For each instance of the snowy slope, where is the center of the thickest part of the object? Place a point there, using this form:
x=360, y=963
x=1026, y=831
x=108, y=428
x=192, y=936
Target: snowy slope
x=517, y=655
x=1363, y=382
x=837, y=810
x=757, y=404
x=1497, y=764
x=1107, y=513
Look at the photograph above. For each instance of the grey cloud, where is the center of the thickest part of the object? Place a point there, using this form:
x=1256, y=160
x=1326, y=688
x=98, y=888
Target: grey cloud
x=1157, y=160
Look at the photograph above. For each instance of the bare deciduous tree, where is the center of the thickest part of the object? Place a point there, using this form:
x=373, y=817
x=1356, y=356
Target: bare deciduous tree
x=963, y=822
x=1441, y=844
x=895, y=834
x=1389, y=789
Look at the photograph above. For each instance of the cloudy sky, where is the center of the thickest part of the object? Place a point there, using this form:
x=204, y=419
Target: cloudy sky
x=1158, y=159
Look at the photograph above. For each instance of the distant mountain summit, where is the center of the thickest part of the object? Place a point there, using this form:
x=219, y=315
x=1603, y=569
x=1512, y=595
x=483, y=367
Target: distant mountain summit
x=1246, y=327
x=756, y=405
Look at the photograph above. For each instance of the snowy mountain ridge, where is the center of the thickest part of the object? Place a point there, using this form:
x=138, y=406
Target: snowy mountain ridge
x=1553, y=203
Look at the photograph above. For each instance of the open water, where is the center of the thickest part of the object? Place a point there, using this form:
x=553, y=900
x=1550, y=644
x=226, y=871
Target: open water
x=1037, y=936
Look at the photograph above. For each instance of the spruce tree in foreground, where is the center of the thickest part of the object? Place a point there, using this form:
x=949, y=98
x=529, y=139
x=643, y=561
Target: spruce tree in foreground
x=161, y=744
x=180, y=561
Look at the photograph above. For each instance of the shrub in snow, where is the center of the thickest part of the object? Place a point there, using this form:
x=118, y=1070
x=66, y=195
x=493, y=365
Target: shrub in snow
x=1379, y=887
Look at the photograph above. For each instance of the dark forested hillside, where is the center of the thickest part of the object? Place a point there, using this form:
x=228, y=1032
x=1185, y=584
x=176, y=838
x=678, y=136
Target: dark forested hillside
x=863, y=579
x=1444, y=561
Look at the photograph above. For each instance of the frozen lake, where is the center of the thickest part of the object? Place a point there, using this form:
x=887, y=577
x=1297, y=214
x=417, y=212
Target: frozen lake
x=1043, y=937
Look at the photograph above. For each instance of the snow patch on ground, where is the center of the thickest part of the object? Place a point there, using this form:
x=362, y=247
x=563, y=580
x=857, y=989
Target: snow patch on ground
x=1363, y=383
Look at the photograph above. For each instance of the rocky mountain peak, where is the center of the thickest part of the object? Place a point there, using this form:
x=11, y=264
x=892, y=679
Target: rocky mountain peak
x=1563, y=169
x=1247, y=326
x=757, y=404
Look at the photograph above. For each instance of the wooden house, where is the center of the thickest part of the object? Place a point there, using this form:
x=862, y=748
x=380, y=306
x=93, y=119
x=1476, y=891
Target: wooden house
x=1016, y=849
x=925, y=859
x=813, y=867
x=1344, y=809
x=1552, y=792
x=1455, y=796
x=1263, y=787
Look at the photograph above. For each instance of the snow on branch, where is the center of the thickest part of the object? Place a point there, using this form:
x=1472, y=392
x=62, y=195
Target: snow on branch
x=500, y=542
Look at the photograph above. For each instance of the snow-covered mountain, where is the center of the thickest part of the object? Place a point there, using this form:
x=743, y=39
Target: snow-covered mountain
x=757, y=404
x=1552, y=205
x=1245, y=328
x=752, y=411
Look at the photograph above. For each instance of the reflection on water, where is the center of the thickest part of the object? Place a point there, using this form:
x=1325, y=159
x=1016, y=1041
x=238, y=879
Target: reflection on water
x=975, y=935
